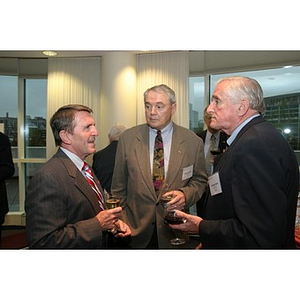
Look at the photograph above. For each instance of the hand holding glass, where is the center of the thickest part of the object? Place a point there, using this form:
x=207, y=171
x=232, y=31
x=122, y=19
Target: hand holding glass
x=170, y=217
x=113, y=202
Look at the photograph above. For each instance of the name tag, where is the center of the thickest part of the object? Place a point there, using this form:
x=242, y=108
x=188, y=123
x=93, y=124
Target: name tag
x=214, y=184
x=187, y=172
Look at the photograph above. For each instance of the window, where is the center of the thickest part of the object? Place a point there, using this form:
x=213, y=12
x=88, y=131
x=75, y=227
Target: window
x=281, y=88
x=196, y=103
x=35, y=117
x=26, y=129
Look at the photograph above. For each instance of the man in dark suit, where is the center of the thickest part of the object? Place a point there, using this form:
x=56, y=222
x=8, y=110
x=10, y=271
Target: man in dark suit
x=253, y=192
x=183, y=170
x=214, y=144
x=6, y=171
x=64, y=202
x=104, y=160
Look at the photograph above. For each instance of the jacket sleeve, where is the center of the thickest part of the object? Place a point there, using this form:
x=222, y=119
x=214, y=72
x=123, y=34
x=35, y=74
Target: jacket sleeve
x=6, y=160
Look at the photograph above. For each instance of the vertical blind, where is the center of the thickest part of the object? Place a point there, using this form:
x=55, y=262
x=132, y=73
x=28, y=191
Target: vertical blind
x=170, y=68
x=72, y=80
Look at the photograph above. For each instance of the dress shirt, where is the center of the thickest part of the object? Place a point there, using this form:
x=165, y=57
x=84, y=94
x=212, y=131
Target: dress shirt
x=74, y=158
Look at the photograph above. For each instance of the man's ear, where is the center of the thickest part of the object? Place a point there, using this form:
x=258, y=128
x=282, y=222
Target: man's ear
x=244, y=107
x=65, y=137
x=173, y=108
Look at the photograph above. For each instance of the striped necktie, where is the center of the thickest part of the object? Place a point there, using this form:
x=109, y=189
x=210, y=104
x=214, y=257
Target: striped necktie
x=90, y=179
x=158, y=162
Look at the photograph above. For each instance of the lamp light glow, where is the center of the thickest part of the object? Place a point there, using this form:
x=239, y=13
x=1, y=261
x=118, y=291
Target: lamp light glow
x=49, y=53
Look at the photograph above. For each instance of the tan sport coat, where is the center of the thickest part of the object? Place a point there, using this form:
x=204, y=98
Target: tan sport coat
x=132, y=180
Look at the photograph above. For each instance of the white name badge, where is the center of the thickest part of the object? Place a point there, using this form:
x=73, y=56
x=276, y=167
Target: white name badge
x=214, y=184
x=187, y=172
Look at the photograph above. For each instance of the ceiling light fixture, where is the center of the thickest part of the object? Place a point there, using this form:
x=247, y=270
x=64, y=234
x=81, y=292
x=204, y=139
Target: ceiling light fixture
x=50, y=53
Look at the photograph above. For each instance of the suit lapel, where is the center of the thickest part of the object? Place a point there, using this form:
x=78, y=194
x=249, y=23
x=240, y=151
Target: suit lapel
x=224, y=156
x=143, y=157
x=79, y=180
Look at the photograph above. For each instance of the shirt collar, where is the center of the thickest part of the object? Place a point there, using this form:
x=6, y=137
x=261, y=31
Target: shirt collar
x=164, y=131
x=74, y=158
x=238, y=129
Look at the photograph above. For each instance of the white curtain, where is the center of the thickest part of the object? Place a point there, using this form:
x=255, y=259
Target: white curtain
x=72, y=80
x=170, y=68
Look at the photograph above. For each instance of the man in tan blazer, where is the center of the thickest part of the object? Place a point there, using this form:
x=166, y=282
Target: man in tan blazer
x=132, y=179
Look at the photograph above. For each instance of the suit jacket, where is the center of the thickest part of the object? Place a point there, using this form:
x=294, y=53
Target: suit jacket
x=222, y=146
x=259, y=177
x=6, y=171
x=132, y=181
x=61, y=207
x=104, y=163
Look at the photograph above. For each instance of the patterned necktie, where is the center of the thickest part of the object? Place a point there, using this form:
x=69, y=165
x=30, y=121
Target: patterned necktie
x=209, y=157
x=90, y=179
x=158, y=162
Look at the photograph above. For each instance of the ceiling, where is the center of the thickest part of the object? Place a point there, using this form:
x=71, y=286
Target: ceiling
x=274, y=81
x=61, y=53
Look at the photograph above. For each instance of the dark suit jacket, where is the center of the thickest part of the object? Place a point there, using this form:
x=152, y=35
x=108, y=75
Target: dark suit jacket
x=61, y=207
x=6, y=171
x=260, y=182
x=104, y=163
x=132, y=181
x=222, y=146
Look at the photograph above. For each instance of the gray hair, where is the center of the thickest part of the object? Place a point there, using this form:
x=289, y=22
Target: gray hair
x=116, y=131
x=162, y=88
x=245, y=88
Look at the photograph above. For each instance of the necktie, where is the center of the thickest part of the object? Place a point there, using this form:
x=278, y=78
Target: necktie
x=90, y=179
x=209, y=157
x=158, y=162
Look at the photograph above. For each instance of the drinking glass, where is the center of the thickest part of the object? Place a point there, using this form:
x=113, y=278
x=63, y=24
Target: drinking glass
x=113, y=202
x=170, y=217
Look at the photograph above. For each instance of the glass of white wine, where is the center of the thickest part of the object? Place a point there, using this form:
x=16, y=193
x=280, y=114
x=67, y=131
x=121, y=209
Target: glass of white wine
x=112, y=202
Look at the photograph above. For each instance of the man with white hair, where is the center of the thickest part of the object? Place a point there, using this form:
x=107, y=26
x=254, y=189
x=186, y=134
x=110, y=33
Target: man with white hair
x=253, y=191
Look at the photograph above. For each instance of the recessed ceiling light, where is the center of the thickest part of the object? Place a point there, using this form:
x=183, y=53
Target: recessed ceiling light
x=287, y=67
x=50, y=53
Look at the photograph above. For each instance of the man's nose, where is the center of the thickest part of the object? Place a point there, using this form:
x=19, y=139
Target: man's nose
x=153, y=110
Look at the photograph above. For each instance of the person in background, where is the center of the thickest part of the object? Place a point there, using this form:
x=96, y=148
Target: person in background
x=104, y=160
x=214, y=140
x=65, y=206
x=181, y=167
x=253, y=193
x=7, y=170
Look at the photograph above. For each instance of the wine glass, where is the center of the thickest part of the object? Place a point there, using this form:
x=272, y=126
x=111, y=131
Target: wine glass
x=113, y=202
x=170, y=217
x=216, y=151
